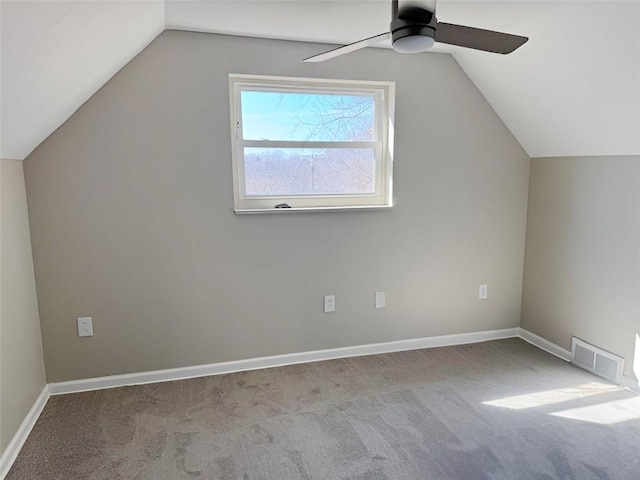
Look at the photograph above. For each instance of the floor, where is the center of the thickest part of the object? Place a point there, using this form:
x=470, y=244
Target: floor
x=494, y=410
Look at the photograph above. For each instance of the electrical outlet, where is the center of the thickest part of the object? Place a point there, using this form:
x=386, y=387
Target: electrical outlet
x=380, y=300
x=483, y=292
x=85, y=327
x=329, y=303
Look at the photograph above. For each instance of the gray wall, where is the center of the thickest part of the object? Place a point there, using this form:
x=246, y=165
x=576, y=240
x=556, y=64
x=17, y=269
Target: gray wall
x=130, y=206
x=21, y=362
x=582, y=269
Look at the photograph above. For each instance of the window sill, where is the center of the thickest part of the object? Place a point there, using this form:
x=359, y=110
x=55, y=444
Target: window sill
x=310, y=209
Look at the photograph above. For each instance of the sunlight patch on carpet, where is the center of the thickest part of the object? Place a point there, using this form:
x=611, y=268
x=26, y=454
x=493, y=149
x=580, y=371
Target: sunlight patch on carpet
x=550, y=397
x=607, y=413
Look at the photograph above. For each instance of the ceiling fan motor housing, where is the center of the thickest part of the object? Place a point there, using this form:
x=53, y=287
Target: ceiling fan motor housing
x=413, y=22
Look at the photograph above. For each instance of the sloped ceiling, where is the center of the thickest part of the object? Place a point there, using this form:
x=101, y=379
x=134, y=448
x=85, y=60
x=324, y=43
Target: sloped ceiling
x=573, y=89
x=55, y=55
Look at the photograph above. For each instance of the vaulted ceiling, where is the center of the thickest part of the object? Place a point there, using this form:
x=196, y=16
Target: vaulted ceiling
x=573, y=89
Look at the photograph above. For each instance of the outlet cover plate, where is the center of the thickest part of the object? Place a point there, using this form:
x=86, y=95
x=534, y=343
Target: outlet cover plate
x=483, y=291
x=85, y=327
x=329, y=303
x=380, y=300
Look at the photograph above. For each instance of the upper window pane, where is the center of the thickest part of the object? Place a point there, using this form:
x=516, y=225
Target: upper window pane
x=320, y=117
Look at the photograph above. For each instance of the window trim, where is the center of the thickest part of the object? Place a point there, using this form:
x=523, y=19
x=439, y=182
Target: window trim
x=384, y=95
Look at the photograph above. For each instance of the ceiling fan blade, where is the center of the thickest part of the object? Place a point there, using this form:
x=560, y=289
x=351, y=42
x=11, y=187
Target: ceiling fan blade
x=478, y=39
x=348, y=48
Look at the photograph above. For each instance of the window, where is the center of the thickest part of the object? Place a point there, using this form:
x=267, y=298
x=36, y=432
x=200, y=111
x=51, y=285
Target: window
x=310, y=144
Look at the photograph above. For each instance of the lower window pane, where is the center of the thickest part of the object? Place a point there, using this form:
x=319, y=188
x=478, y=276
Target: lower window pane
x=309, y=171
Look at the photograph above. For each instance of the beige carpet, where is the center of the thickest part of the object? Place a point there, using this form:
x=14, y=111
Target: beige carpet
x=496, y=410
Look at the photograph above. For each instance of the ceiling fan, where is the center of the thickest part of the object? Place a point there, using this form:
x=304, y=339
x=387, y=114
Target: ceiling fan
x=415, y=28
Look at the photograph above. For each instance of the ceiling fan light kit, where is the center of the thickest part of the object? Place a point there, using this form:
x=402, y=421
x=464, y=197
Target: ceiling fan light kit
x=413, y=43
x=415, y=29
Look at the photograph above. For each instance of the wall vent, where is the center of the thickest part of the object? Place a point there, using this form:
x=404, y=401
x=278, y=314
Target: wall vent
x=596, y=360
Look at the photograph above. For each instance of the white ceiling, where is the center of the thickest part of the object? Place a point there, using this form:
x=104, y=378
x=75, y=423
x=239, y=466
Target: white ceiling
x=55, y=55
x=573, y=89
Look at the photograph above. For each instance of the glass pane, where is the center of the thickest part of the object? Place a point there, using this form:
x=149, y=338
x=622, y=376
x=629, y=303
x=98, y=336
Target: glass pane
x=282, y=116
x=309, y=171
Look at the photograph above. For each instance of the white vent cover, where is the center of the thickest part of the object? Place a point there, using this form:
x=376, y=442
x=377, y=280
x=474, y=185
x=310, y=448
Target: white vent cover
x=596, y=360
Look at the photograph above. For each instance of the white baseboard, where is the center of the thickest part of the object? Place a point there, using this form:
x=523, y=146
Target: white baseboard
x=630, y=383
x=535, y=340
x=172, y=374
x=16, y=443
x=545, y=345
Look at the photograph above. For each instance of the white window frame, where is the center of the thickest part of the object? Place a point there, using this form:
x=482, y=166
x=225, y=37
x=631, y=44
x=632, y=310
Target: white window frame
x=384, y=95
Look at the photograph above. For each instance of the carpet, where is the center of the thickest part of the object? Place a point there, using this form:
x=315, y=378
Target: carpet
x=495, y=410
